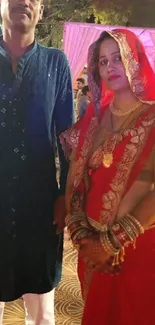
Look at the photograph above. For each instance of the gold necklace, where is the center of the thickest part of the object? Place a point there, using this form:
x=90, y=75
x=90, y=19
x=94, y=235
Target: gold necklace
x=108, y=154
x=118, y=112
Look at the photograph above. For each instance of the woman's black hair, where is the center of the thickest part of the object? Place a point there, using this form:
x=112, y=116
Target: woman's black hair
x=85, y=90
x=95, y=59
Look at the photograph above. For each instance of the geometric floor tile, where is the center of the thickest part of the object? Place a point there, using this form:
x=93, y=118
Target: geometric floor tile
x=68, y=301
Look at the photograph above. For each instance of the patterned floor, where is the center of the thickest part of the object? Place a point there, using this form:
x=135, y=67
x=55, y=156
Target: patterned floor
x=68, y=302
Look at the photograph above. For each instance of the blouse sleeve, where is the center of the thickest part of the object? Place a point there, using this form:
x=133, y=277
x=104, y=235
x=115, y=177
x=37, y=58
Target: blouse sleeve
x=70, y=139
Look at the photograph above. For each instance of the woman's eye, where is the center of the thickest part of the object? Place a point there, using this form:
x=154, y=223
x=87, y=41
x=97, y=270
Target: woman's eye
x=118, y=58
x=103, y=62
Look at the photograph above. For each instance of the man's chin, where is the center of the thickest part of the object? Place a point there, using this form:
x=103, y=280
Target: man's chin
x=21, y=26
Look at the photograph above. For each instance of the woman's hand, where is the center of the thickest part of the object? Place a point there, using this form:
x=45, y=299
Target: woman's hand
x=91, y=250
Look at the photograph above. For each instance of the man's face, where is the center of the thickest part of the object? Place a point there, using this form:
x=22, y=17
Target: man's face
x=21, y=15
x=79, y=85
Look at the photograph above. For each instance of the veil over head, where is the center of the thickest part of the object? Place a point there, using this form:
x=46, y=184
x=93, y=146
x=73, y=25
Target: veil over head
x=138, y=70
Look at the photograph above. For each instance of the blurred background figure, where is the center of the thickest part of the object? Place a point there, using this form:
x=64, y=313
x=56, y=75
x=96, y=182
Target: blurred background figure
x=84, y=101
x=84, y=75
x=80, y=83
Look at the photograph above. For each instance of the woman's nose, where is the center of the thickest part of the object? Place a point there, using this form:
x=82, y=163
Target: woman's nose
x=110, y=66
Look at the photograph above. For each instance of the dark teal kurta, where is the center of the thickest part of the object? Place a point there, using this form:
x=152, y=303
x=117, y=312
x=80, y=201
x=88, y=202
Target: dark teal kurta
x=33, y=103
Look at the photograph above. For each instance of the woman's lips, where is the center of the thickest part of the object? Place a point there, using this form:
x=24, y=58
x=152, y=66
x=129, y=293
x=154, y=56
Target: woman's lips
x=114, y=77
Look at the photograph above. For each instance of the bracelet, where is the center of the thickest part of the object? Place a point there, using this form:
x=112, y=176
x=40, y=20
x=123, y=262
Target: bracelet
x=71, y=219
x=136, y=223
x=119, y=233
x=107, y=245
x=127, y=230
x=118, y=253
x=78, y=228
x=119, y=236
x=80, y=234
x=114, y=239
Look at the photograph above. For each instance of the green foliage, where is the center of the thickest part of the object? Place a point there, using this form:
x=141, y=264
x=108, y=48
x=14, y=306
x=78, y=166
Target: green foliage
x=122, y=12
x=112, y=12
x=50, y=29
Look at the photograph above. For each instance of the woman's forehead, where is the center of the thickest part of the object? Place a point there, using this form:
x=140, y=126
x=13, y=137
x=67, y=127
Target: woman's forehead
x=108, y=47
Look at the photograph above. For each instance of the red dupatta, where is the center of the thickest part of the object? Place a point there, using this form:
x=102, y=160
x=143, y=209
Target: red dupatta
x=131, y=152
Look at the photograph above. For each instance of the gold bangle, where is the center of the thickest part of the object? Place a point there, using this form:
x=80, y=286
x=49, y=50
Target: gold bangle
x=107, y=245
x=132, y=226
x=128, y=229
x=118, y=254
x=72, y=219
x=80, y=234
x=136, y=223
x=115, y=239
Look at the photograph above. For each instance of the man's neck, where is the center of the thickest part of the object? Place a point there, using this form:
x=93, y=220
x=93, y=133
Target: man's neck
x=16, y=43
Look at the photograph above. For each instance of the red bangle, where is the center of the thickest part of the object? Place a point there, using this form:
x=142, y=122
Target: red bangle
x=122, y=237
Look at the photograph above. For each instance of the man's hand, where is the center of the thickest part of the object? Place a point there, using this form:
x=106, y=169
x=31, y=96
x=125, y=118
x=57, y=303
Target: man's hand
x=59, y=214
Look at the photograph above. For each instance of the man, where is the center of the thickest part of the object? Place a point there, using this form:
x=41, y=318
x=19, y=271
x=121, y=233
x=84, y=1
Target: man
x=35, y=103
x=80, y=82
x=84, y=101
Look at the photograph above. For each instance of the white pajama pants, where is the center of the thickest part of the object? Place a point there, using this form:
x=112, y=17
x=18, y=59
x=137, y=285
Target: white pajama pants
x=39, y=309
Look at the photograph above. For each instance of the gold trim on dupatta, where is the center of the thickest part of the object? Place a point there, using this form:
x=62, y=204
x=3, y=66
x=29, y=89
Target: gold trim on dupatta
x=132, y=67
x=69, y=140
x=111, y=199
x=81, y=163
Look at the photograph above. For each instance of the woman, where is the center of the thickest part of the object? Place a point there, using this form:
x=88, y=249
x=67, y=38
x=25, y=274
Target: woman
x=110, y=190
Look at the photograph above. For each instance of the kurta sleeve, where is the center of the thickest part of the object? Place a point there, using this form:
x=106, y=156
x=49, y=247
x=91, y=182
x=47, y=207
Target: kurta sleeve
x=63, y=115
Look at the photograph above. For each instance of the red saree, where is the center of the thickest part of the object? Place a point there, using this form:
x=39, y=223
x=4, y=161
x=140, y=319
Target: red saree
x=127, y=298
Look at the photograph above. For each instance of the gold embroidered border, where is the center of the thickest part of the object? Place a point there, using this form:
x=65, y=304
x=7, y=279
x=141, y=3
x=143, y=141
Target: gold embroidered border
x=69, y=140
x=84, y=151
x=78, y=197
x=97, y=157
x=111, y=200
x=132, y=67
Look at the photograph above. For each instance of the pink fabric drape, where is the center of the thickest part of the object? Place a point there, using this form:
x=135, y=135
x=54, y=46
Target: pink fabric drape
x=78, y=37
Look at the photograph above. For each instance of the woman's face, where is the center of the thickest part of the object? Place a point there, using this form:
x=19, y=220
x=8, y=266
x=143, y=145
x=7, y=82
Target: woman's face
x=111, y=68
